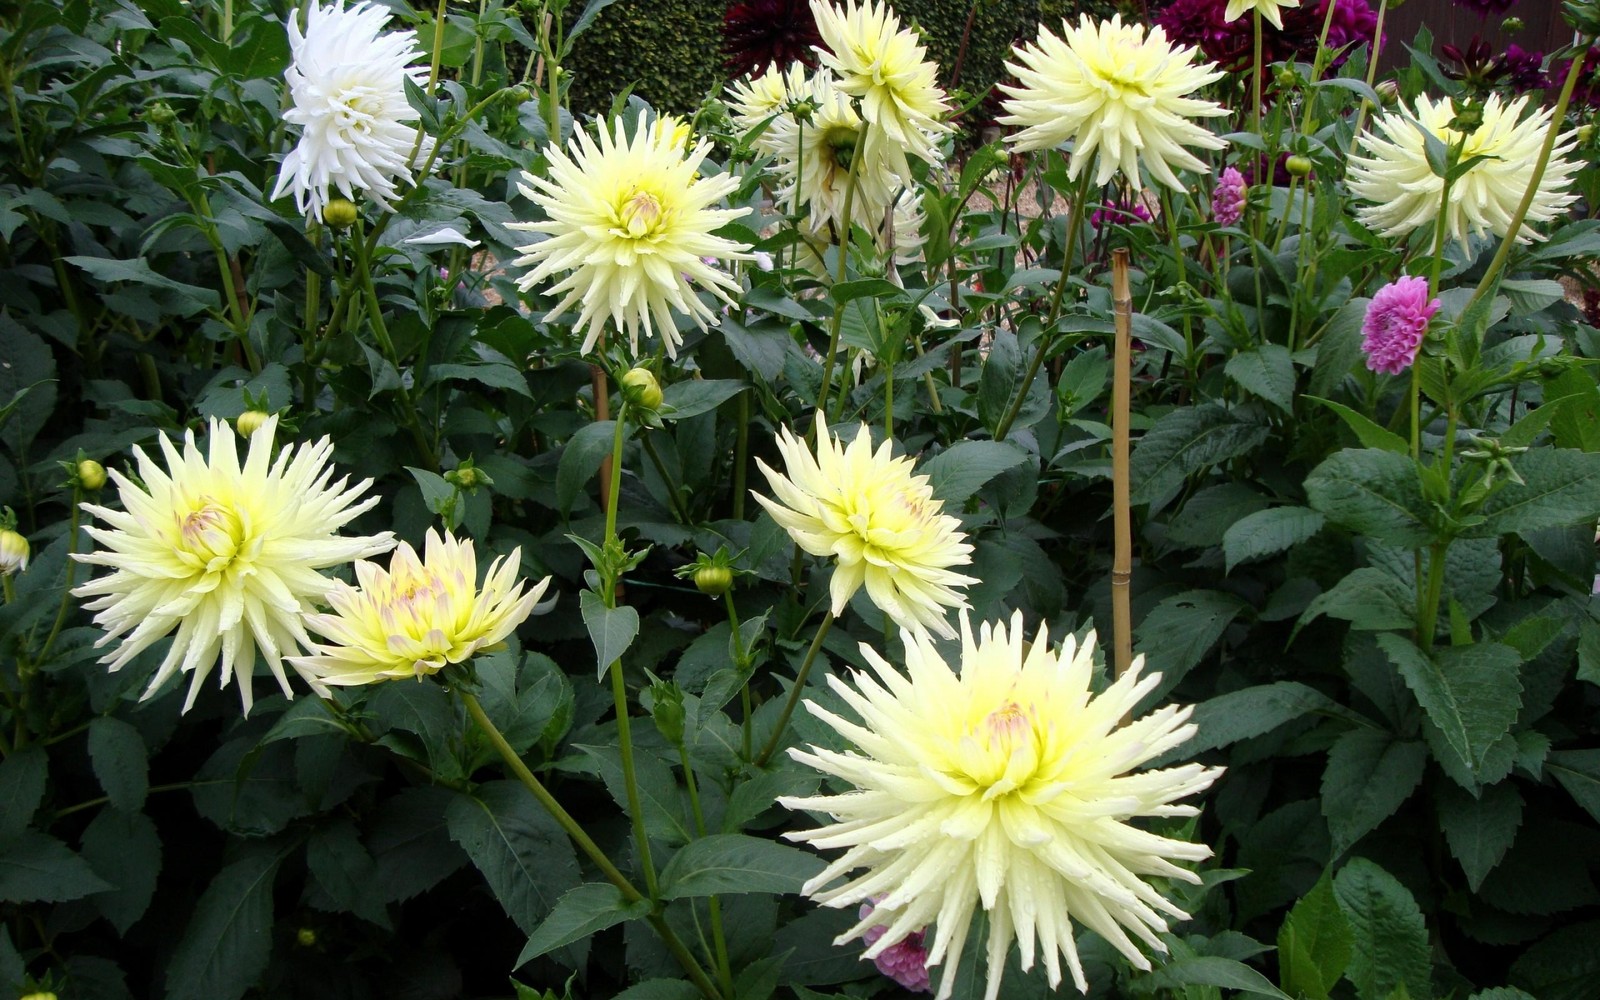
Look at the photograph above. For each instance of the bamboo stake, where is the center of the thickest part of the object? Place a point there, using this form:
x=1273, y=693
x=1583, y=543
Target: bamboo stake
x=1122, y=515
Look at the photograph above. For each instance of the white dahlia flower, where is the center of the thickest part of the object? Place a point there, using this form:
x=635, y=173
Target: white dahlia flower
x=814, y=161
x=420, y=614
x=1116, y=91
x=1406, y=194
x=348, y=86
x=1008, y=786
x=1271, y=10
x=226, y=554
x=629, y=223
x=879, y=523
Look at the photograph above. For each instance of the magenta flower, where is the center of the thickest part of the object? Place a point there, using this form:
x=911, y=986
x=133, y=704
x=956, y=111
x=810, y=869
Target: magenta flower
x=1124, y=213
x=906, y=962
x=1397, y=320
x=1228, y=200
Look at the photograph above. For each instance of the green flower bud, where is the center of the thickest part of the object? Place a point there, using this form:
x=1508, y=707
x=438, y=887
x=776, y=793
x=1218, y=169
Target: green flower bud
x=666, y=708
x=14, y=552
x=1298, y=166
x=250, y=421
x=160, y=114
x=305, y=937
x=1287, y=78
x=640, y=388
x=713, y=580
x=339, y=213
x=91, y=474
x=1512, y=25
x=41, y=995
x=1388, y=92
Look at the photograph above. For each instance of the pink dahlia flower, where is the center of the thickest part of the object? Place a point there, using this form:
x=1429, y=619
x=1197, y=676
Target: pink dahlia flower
x=1397, y=320
x=1228, y=200
x=906, y=962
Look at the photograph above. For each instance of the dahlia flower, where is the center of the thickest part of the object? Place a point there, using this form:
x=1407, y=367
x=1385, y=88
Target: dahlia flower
x=1486, y=7
x=1004, y=786
x=225, y=554
x=753, y=100
x=630, y=223
x=879, y=522
x=14, y=551
x=1229, y=198
x=417, y=616
x=760, y=33
x=887, y=68
x=814, y=158
x=1397, y=319
x=1269, y=10
x=1114, y=90
x=1230, y=42
x=1406, y=193
x=907, y=962
x=347, y=81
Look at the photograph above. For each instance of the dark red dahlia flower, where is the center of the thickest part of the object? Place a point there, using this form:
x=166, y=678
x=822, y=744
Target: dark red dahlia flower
x=758, y=33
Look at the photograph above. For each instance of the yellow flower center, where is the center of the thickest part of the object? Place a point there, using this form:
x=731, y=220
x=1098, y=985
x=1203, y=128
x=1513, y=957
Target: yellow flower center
x=641, y=214
x=1006, y=725
x=1003, y=749
x=210, y=537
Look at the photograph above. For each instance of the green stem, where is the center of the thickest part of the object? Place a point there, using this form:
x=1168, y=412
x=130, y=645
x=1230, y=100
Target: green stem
x=741, y=661
x=587, y=845
x=837, y=319
x=412, y=419
x=1428, y=606
x=1372, y=65
x=741, y=455
x=616, y=473
x=795, y=692
x=719, y=941
x=888, y=401
x=66, y=592
x=630, y=778
x=1171, y=219
x=673, y=496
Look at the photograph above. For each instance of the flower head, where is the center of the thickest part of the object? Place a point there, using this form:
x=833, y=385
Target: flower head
x=887, y=69
x=761, y=33
x=630, y=223
x=1005, y=786
x=1229, y=198
x=907, y=962
x=1269, y=10
x=1230, y=42
x=1118, y=212
x=226, y=554
x=815, y=157
x=418, y=615
x=878, y=521
x=14, y=551
x=348, y=86
x=1396, y=321
x=1406, y=194
x=1117, y=92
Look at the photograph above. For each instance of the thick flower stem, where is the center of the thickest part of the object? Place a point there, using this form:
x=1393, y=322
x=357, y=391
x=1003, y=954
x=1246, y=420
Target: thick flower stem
x=381, y=331
x=741, y=662
x=1428, y=600
x=587, y=845
x=1372, y=65
x=795, y=692
x=837, y=319
x=674, y=500
x=719, y=941
x=630, y=778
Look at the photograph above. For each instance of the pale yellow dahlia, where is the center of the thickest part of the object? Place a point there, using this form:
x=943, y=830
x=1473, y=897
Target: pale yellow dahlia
x=629, y=223
x=1006, y=787
x=225, y=554
x=753, y=100
x=887, y=69
x=1119, y=93
x=814, y=161
x=1407, y=194
x=1270, y=10
x=418, y=615
x=879, y=523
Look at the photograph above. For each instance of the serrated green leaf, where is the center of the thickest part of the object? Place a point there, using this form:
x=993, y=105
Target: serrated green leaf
x=521, y=851
x=729, y=863
x=1314, y=943
x=1368, y=598
x=962, y=469
x=1266, y=371
x=1372, y=492
x=1179, y=631
x=225, y=946
x=38, y=868
x=1213, y=970
x=1367, y=432
x=1241, y=715
x=692, y=397
x=22, y=780
x=1561, y=486
x=125, y=850
x=1389, y=941
x=611, y=630
x=1182, y=443
x=1369, y=776
x=1471, y=693
x=1268, y=532
x=1578, y=771
x=585, y=910
x=580, y=460
x=1563, y=966
x=1479, y=829
x=117, y=752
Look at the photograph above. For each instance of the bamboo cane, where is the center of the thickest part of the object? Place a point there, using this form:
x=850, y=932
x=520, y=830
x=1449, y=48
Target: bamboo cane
x=1122, y=527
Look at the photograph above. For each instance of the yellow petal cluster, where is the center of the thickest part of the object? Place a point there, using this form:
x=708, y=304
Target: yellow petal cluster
x=1119, y=93
x=1007, y=786
x=880, y=524
x=1406, y=194
x=630, y=225
x=1271, y=10
x=418, y=615
x=225, y=554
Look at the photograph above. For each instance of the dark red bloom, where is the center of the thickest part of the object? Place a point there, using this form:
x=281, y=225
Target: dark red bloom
x=1487, y=7
x=1524, y=69
x=1587, y=92
x=1201, y=23
x=759, y=33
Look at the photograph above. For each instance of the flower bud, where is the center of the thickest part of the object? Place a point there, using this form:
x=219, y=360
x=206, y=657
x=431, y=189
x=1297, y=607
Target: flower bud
x=1584, y=134
x=1287, y=78
x=519, y=95
x=14, y=552
x=160, y=114
x=1297, y=166
x=1512, y=25
x=250, y=421
x=305, y=937
x=666, y=708
x=339, y=213
x=713, y=580
x=91, y=474
x=1388, y=92
x=41, y=995
x=640, y=388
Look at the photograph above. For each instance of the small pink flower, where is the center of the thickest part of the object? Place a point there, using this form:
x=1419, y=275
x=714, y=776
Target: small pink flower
x=1228, y=200
x=1397, y=320
x=906, y=961
x=1119, y=213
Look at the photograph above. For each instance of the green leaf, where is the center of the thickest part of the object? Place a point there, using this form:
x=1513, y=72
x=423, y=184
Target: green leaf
x=427, y=712
x=1373, y=492
x=1562, y=487
x=1479, y=829
x=27, y=382
x=585, y=910
x=1205, y=518
x=1578, y=771
x=22, y=779
x=1268, y=532
x=523, y=854
x=343, y=872
x=1242, y=715
x=1562, y=966
x=185, y=300
x=1266, y=371
x=117, y=752
x=962, y=469
x=1367, y=432
x=1389, y=942
x=1314, y=943
x=864, y=288
x=693, y=397
x=1368, y=598
x=1340, y=348
x=1369, y=776
x=998, y=379
x=729, y=863
x=1213, y=970
x=580, y=460
x=612, y=630
x=125, y=850
x=660, y=989
x=225, y=946
x=37, y=868
x=495, y=376
x=760, y=347
x=1471, y=693
x=1182, y=443
x=1179, y=631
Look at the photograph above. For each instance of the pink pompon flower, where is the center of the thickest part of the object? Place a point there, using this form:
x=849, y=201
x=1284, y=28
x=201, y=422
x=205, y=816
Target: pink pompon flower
x=1228, y=200
x=906, y=962
x=1397, y=320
